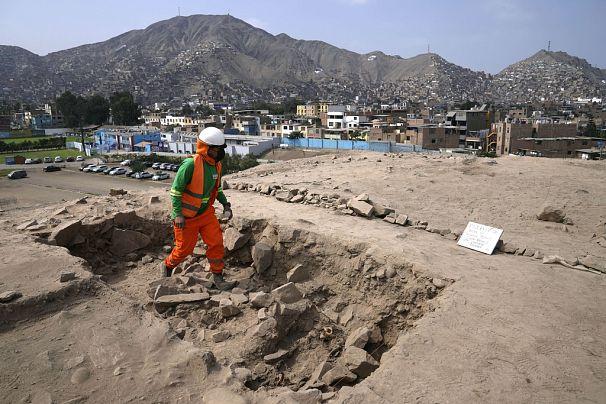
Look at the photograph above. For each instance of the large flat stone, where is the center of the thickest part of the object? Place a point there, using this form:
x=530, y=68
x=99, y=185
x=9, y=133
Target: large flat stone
x=127, y=241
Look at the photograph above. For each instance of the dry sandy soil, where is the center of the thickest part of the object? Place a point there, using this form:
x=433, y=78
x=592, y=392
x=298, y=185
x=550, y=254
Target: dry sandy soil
x=445, y=323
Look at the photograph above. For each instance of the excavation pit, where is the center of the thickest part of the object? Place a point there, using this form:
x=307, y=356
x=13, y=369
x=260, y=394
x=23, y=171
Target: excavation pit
x=308, y=311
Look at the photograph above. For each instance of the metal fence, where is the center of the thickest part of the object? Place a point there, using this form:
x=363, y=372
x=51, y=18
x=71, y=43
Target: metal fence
x=382, y=147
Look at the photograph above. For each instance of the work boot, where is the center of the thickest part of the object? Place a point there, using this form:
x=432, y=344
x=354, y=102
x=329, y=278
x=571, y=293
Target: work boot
x=165, y=271
x=220, y=283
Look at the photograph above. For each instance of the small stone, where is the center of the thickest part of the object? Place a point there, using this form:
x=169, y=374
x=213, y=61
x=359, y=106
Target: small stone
x=276, y=356
x=228, y=309
x=261, y=299
x=9, y=296
x=390, y=218
x=80, y=375
x=238, y=298
x=60, y=211
x=438, y=283
x=262, y=255
x=67, y=276
x=116, y=192
x=242, y=374
x=221, y=336
x=401, y=220
x=234, y=240
x=339, y=374
x=390, y=271
x=267, y=327
x=361, y=208
x=148, y=259
x=262, y=314
x=551, y=214
x=297, y=199
x=118, y=371
x=298, y=274
x=358, y=338
x=375, y=335
x=358, y=361
x=167, y=249
x=362, y=197
x=287, y=293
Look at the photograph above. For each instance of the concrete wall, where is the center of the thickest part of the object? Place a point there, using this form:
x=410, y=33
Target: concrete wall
x=383, y=147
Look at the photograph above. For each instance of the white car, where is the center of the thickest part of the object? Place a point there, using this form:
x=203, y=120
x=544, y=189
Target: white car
x=58, y=159
x=79, y=158
x=143, y=175
x=284, y=146
x=160, y=177
x=118, y=171
x=89, y=168
x=125, y=163
x=99, y=169
x=29, y=161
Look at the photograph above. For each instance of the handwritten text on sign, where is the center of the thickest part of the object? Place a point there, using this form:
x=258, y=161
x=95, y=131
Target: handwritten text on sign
x=480, y=237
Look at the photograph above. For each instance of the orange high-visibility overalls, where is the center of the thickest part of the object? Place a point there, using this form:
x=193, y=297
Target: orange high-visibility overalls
x=205, y=224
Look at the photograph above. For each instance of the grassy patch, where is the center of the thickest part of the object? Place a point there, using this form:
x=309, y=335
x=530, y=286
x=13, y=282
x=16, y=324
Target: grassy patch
x=5, y=171
x=44, y=153
x=21, y=139
x=34, y=138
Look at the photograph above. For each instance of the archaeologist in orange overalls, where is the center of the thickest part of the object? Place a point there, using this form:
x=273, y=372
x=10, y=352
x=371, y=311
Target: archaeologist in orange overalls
x=196, y=187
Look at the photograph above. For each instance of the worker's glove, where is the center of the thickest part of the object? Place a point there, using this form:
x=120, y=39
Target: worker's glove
x=180, y=222
x=227, y=213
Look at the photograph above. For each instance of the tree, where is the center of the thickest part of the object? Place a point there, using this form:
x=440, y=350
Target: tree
x=125, y=110
x=186, y=110
x=72, y=108
x=97, y=110
x=295, y=135
x=205, y=110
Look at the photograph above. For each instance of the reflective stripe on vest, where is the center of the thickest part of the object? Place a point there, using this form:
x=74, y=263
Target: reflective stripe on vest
x=193, y=195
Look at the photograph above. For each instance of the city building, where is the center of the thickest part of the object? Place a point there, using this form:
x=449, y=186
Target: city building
x=128, y=138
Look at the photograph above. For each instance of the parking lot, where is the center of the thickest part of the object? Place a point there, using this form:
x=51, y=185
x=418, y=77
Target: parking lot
x=40, y=188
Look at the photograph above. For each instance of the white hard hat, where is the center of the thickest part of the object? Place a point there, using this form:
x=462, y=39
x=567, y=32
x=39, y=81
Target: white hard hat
x=212, y=136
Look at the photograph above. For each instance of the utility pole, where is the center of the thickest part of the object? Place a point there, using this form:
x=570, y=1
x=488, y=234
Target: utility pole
x=549, y=46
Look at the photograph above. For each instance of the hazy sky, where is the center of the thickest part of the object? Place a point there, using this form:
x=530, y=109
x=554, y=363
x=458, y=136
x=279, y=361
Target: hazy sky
x=483, y=35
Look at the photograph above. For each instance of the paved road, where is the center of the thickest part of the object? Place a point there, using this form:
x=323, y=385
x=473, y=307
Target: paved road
x=41, y=188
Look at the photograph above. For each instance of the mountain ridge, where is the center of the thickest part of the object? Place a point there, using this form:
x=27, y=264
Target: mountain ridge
x=218, y=54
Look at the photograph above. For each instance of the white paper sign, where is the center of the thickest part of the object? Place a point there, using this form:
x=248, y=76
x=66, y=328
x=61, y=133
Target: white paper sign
x=480, y=237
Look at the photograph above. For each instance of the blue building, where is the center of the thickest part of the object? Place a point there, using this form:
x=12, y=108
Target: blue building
x=128, y=138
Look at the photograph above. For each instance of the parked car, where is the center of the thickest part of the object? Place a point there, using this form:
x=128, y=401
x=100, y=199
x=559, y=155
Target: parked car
x=148, y=164
x=98, y=169
x=160, y=176
x=130, y=173
x=79, y=158
x=58, y=159
x=108, y=170
x=126, y=163
x=143, y=175
x=48, y=160
x=15, y=175
x=118, y=171
x=70, y=159
x=87, y=167
x=164, y=166
x=156, y=166
x=51, y=168
x=29, y=161
x=284, y=146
